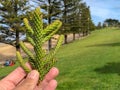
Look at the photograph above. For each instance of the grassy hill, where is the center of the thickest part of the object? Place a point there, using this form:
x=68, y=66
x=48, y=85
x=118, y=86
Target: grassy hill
x=92, y=63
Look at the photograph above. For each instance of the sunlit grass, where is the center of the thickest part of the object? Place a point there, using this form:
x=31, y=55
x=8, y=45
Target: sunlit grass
x=6, y=70
x=92, y=63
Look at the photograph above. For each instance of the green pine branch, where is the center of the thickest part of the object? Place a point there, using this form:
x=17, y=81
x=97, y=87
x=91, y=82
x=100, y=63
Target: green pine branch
x=37, y=36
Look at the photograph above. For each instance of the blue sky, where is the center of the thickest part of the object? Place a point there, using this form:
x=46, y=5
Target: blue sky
x=103, y=9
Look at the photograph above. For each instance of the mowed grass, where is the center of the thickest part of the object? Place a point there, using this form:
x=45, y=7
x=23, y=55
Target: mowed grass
x=6, y=70
x=92, y=63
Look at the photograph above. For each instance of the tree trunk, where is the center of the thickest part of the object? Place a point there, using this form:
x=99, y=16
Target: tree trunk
x=49, y=22
x=73, y=36
x=17, y=41
x=17, y=31
x=65, y=38
x=80, y=35
x=49, y=44
x=83, y=33
x=86, y=33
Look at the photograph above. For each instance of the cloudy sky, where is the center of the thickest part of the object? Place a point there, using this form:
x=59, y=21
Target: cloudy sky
x=103, y=9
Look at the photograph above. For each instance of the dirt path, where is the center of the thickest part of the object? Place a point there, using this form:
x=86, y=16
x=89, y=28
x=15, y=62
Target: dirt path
x=9, y=52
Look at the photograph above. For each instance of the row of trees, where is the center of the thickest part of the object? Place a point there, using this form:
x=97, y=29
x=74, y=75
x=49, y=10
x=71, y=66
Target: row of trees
x=74, y=14
x=112, y=22
x=109, y=23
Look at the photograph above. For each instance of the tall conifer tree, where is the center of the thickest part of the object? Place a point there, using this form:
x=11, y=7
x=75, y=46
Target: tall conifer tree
x=12, y=12
x=75, y=15
x=66, y=17
x=52, y=10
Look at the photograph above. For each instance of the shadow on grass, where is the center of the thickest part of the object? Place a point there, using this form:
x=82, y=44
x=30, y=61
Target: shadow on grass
x=113, y=67
x=106, y=44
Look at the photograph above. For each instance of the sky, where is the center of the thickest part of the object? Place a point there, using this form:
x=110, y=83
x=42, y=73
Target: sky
x=104, y=9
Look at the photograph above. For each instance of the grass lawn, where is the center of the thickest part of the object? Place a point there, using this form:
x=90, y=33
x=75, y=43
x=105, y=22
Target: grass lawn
x=92, y=63
x=6, y=70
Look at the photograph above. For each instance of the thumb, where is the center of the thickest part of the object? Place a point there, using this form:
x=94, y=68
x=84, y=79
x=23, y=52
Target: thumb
x=30, y=82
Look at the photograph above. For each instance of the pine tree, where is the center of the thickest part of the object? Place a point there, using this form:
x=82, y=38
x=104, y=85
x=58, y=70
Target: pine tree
x=66, y=18
x=52, y=9
x=86, y=22
x=104, y=25
x=99, y=26
x=12, y=12
x=91, y=25
x=112, y=22
x=75, y=15
x=84, y=18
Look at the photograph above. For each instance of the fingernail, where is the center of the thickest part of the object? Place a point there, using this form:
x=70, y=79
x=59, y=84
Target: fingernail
x=33, y=74
x=55, y=70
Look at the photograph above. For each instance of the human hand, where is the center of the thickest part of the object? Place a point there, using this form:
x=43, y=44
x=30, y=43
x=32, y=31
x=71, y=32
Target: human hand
x=17, y=80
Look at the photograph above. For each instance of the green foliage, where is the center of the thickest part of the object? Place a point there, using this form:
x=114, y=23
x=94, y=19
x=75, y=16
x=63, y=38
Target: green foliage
x=99, y=26
x=12, y=13
x=75, y=15
x=112, y=22
x=66, y=15
x=85, y=20
x=37, y=36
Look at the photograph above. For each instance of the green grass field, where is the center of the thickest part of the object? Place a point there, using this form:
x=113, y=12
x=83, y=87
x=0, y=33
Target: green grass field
x=92, y=63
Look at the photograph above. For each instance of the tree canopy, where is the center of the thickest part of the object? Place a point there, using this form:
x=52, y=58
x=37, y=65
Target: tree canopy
x=112, y=22
x=74, y=14
x=12, y=13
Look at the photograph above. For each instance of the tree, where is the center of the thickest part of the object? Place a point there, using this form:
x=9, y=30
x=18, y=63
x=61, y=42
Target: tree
x=52, y=10
x=11, y=14
x=74, y=20
x=87, y=24
x=66, y=17
x=84, y=18
x=112, y=22
x=91, y=25
x=104, y=25
x=99, y=26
